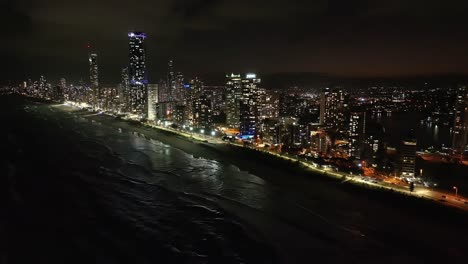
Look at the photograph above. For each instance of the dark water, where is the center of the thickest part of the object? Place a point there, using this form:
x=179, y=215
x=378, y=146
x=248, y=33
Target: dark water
x=398, y=125
x=89, y=189
x=115, y=196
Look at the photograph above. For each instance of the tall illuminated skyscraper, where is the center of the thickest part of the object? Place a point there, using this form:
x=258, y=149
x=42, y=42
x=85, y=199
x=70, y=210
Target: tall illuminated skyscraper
x=124, y=90
x=408, y=157
x=138, y=94
x=171, y=82
x=152, y=101
x=94, y=79
x=356, y=131
x=460, y=127
x=233, y=96
x=249, y=105
x=333, y=107
x=179, y=92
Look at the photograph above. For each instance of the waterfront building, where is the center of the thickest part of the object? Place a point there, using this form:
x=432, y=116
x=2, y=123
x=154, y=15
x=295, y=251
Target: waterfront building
x=233, y=96
x=170, y=83
x=202, y=112
x=179, y=114
x=249, y=107
x=124, y=90
x=356, y=133
x=333, y=107
x=138, y=95
x=460, y=127
x=95, y=98
x=165, y=111
x=152, y=101
x=408, y=157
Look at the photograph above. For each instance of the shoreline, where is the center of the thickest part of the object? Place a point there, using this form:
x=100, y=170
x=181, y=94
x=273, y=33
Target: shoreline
x=230, y=153
x=303, y=211
x=244, y=158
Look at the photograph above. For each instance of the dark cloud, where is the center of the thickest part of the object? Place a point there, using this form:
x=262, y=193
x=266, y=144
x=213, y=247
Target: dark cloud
x=347, y=37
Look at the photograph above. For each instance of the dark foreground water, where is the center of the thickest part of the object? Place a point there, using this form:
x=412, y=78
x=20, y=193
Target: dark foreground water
x=90, y=189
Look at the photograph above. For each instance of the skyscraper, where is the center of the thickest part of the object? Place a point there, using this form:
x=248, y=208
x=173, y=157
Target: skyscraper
x=152, y=101
x=179, y=92
x=233, y=96
x=333, y=107
x=43, y=88
x=94, y=80
x=124, y=91
x=408, y=157
x=137, y=74
x=202, y=112
x=171, y=82
x=249, y=105
x=460, y=127
x=356, y=131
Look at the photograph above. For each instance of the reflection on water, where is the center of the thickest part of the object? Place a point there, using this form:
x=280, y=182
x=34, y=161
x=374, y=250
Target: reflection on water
x=399, y=125
x=180, y=171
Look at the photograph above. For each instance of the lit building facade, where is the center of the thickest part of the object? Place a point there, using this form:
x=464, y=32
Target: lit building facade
x=249, y=105
x=170, y=83
x=137, y=74
x=202, y=112
x=179, y=92
x=408, y=157
x=124, y=90
x=152, y=101
x=233, y=97
x=333, y=106
x=356, y=133
x=94, y=80
x=460, y=127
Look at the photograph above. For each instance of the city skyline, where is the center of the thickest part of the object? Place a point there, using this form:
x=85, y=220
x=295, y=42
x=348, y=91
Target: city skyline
x=217, y=131
x=403, y=38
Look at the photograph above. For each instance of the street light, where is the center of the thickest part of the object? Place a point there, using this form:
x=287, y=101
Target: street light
x=213, y=133
x=202, y=131
x=456, y=190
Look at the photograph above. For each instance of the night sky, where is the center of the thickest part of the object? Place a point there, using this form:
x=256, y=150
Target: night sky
x=348, y=38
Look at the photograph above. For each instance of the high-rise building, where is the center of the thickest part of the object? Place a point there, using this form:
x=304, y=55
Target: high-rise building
x=286, y=105
x=333, y=107
x=233, y=97
x=356, y=132
x=249, y=105
x=202, y=112
x=166, y=111
x=42, y=87
x=171, y=82
x=124, y=91
x=163, y=91
x=195, y=88
x=271, y=108
x=109, y=98
x=137, y=74
x=94, y=80
x=262, y=103
x=152, y=101
x=460, y=127
x=408, y=157
x=179, y=92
